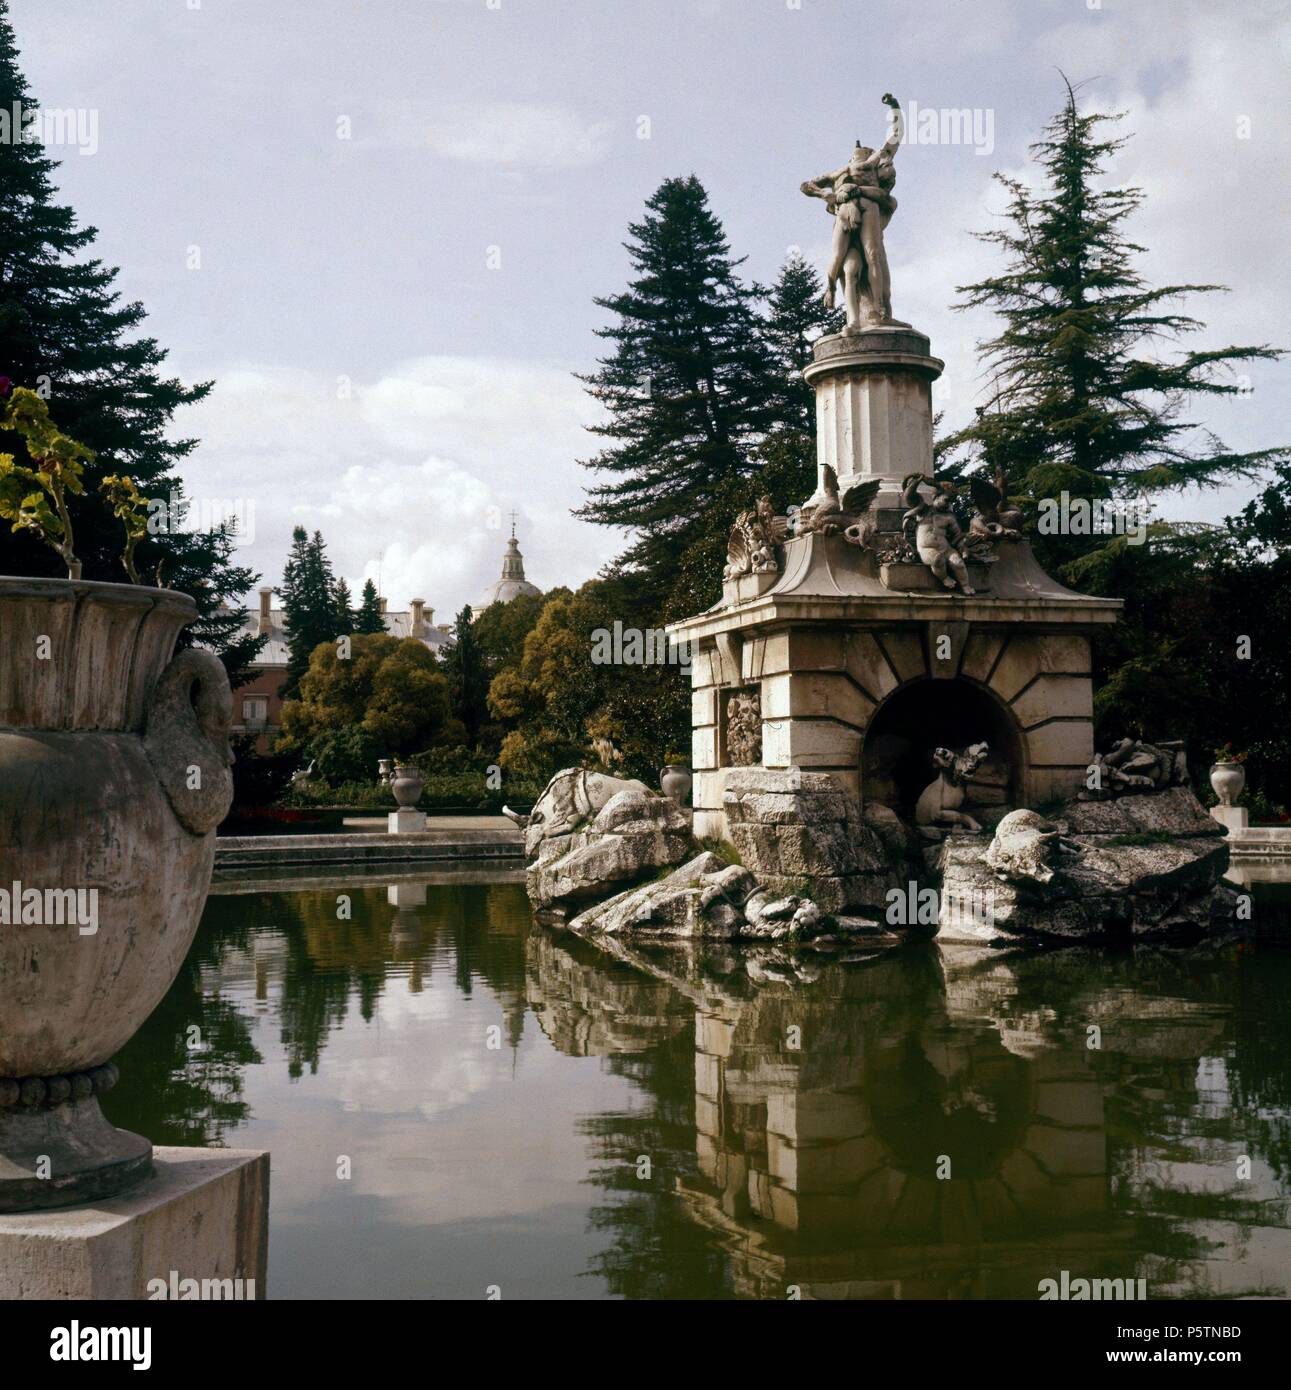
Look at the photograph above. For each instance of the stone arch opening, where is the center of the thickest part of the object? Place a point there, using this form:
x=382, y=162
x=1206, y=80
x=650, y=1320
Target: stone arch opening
x=896, y=756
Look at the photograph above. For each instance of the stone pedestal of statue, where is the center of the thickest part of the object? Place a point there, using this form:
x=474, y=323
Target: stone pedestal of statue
x=407, y=820
x=874, y=410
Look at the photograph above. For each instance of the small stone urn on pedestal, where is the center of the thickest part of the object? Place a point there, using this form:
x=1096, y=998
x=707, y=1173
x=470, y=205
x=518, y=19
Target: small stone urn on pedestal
x=383, y=771
x=1228, y=777
x=675, y=780
x=114, y=773
x=406, y=786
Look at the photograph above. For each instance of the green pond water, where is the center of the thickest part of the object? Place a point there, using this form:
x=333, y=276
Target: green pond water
x=522, y=1112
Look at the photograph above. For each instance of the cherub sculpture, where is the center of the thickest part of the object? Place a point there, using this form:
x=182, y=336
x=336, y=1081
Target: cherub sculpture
x=938, y=537
x=846, y=510
x=755, y=541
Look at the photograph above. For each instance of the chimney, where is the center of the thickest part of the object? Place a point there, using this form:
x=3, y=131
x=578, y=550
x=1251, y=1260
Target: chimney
x=417, y=628
x=430, y=617
x=382, y=604
x=266, y=618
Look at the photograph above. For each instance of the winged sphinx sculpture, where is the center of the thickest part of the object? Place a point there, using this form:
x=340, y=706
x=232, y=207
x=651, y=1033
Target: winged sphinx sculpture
x=755, y=541
x=995, y=519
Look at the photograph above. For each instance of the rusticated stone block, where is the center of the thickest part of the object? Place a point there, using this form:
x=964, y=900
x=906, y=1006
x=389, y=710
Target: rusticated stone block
x=790, y=808
x=980, y=653
x=703, y=748
x=757, y=846
x=1064, y=742
x=1051, y=697
x=815, y=693
x=819, y=849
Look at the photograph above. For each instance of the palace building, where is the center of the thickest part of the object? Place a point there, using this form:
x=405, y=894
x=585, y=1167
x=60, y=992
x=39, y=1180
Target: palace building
x=512, y=584
x=257, y=705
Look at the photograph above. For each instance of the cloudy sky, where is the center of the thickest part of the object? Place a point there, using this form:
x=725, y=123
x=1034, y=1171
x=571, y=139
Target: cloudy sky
x=379, y=226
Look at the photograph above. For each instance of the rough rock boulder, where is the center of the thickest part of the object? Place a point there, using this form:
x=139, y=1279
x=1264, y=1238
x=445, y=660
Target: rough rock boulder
x=634, y=835
x=706, y=897
x=801, y=832
x=1140, y=865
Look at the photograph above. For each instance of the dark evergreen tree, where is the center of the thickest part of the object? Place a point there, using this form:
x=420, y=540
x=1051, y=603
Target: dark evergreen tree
x=468, y=678
x=369, y=617
x=65, y=332
x=796, y=317
x=344, y=608
x=687, y=387
x=308, y=602
x=785, y=472
x=1176, y=661
x=1083, y=398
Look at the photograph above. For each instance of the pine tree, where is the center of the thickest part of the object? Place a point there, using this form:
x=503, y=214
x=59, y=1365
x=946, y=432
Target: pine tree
x=369, y=617
x=1083, y=399
x=468, y=680
x=796, y=318
x=687, y=385
x=344, y=608
x=785, y=472
x=65, y=333
x=309, y=604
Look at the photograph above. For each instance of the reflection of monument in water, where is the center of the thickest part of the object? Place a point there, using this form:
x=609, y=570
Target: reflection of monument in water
x=840, y=1147
x=592, y=1006
x=824, y=1112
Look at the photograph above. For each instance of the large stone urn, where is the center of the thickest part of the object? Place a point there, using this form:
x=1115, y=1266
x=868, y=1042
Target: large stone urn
x=114, y=773
x=1227, y=779
x=406, y=784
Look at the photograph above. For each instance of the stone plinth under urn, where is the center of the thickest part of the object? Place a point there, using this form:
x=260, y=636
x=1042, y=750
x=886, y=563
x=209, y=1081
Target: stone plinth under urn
x=406, y=785
x=114, y=773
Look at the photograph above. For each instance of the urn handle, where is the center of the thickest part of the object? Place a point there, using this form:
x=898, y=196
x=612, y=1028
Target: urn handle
x=186, y=738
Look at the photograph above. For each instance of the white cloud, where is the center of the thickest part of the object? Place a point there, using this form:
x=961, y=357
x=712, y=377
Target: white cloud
x=412, y=477
x=534, y=136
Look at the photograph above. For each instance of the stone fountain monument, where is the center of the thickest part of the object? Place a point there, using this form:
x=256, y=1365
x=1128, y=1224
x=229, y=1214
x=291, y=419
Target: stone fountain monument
x=891, y=692
x=858, y=635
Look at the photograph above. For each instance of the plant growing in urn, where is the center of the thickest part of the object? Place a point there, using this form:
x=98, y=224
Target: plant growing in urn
x=114, y=773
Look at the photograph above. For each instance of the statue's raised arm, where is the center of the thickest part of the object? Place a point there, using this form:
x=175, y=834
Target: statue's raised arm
x=893, y=143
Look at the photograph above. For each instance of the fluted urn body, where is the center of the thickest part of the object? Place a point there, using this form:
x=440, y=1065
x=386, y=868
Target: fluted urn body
x=114, y=773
